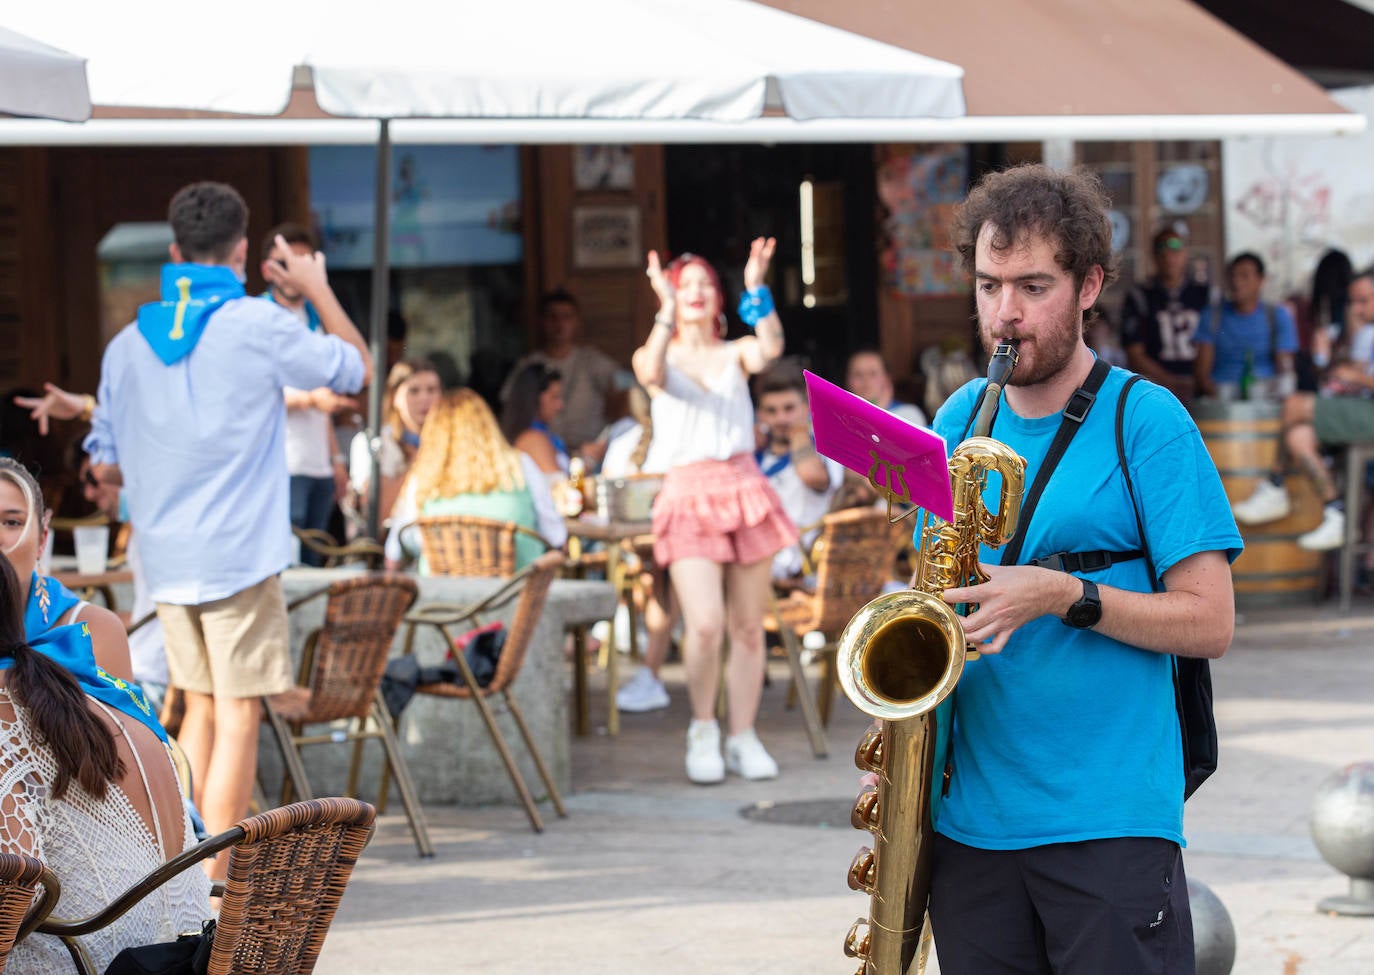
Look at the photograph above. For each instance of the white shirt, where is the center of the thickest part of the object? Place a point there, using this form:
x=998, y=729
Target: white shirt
x=804, y=505
x=147, y=652
x=201, y=444
x=696, y=422
x=309, y=433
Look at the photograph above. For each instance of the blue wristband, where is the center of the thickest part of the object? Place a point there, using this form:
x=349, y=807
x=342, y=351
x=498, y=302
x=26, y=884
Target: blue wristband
x=755, y=304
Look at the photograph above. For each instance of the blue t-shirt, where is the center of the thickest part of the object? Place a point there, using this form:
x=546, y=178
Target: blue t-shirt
x=1242, y=335
x=1069, y=735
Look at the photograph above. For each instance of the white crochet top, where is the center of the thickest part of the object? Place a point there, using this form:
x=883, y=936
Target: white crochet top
x=97, y=849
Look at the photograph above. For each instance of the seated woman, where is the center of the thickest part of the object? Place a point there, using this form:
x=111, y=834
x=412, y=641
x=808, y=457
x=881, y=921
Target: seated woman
x=412, y=389
x=48, y=603
x=87, y=785
x=466, y=467
x=535, y=399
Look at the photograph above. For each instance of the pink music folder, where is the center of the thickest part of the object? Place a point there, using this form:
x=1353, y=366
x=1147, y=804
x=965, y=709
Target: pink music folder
x=908, y=460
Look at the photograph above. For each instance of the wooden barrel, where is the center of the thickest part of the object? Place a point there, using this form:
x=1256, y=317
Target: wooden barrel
x=1243, y=440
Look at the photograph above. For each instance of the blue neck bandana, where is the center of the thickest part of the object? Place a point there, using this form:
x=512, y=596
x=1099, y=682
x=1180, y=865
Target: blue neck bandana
x=312, y=317
x=191, y=293
x=71, y=647
x=49, y=601
x=771, y=463
x=411, y=440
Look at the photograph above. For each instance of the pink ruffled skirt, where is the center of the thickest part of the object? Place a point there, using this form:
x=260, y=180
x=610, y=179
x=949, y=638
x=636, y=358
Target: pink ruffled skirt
x=721, y=510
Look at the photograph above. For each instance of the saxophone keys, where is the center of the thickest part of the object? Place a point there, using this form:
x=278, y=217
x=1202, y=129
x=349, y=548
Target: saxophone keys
x=863, y=872
x=856, y=943
x=867, y=810
x=868, y=757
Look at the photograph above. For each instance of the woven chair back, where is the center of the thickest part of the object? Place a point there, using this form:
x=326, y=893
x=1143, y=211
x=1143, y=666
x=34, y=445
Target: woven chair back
x=351, y=648
x=19, y=877
x=466, y=545
x=286, y=878
x=853, y=559
x=541, y=573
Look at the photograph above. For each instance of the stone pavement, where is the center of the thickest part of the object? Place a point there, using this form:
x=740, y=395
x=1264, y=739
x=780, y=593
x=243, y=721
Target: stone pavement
x=651, y=874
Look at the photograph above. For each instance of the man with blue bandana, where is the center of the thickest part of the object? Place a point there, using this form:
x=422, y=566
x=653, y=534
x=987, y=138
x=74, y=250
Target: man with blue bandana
x=191, y=417
x=318, y=469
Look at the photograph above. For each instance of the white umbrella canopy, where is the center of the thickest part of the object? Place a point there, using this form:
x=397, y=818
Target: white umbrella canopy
x=718, y=60
x=41, y=81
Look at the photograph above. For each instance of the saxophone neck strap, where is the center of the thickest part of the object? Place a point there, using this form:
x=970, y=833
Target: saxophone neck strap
x=1074, y=413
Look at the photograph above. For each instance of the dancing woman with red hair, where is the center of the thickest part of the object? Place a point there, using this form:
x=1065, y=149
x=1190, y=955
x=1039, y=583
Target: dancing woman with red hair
x=717, y=523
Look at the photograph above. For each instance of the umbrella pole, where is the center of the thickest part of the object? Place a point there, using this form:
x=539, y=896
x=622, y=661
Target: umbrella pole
x=381, y=259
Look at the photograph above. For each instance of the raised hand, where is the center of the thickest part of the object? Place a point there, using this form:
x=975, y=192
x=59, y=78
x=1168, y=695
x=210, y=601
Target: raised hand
x=303, y=272
x=661, y=285
x=760, y=255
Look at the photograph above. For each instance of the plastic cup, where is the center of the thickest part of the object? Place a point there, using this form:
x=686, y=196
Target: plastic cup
x=92, y=548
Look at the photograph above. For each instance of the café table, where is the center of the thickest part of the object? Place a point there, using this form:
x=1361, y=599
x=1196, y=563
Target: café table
x=87, y=585
x=617, y=537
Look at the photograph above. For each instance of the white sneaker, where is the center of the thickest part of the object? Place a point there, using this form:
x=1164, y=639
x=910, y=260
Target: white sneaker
x=642, y=692
x=1268, y=503
x=746, y=757
x=1326, y=536
x=704, y=764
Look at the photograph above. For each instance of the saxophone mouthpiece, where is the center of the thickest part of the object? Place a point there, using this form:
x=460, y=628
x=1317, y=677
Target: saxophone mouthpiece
x=1002, y=363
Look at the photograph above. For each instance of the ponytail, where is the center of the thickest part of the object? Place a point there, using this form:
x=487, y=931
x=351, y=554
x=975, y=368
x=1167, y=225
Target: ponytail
x=80, y=742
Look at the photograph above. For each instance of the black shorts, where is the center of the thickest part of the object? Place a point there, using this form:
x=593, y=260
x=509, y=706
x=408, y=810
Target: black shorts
x=1114, y=905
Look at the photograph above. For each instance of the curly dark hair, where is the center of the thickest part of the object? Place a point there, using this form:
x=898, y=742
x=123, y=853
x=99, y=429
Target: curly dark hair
x=1068, y=208
x=208, y=220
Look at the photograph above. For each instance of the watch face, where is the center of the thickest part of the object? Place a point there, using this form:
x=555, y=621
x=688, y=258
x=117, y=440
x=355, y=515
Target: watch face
x=1084, y=614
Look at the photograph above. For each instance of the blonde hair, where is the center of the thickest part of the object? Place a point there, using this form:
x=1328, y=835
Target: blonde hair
x=462, y=451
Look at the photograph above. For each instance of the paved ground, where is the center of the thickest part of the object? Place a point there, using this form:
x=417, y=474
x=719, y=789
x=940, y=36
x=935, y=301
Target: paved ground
x=651, y=874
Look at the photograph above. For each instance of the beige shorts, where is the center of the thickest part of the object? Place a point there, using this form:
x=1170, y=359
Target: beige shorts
x=233, y=647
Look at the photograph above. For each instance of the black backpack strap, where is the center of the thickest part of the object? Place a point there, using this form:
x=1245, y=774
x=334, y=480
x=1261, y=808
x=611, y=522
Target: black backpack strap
x=1126, y=473
x=1074, y=414
x=1094, y=561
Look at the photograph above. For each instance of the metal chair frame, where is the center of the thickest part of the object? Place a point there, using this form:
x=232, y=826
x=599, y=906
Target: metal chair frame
x=531, y=586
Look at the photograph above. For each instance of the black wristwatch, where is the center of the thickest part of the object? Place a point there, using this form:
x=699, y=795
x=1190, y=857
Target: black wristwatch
x=1085, y=613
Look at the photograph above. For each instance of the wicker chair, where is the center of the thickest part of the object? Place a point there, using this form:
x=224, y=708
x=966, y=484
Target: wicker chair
x=532, y=586
x=852, y=559
x=288, y=868
x=466, y=545
x=342, y=665
x=20, y=877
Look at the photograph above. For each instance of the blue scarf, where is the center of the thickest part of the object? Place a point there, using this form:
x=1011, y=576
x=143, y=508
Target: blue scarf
x=191, y=293
x=49, y=601
x=312, y=317
x=71, y=647
x=778, y=464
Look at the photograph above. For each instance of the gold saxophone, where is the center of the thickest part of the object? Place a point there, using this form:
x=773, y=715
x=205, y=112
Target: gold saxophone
x=898, y=658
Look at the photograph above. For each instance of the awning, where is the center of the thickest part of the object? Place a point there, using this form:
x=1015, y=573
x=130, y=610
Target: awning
x=1131, y=61
x=41, y=81
x=722, y=61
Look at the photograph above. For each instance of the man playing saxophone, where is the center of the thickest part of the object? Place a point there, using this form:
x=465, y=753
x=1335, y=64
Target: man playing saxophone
x=1060, y=827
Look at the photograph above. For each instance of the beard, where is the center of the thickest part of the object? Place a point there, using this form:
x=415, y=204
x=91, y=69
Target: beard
x=1040, y=356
